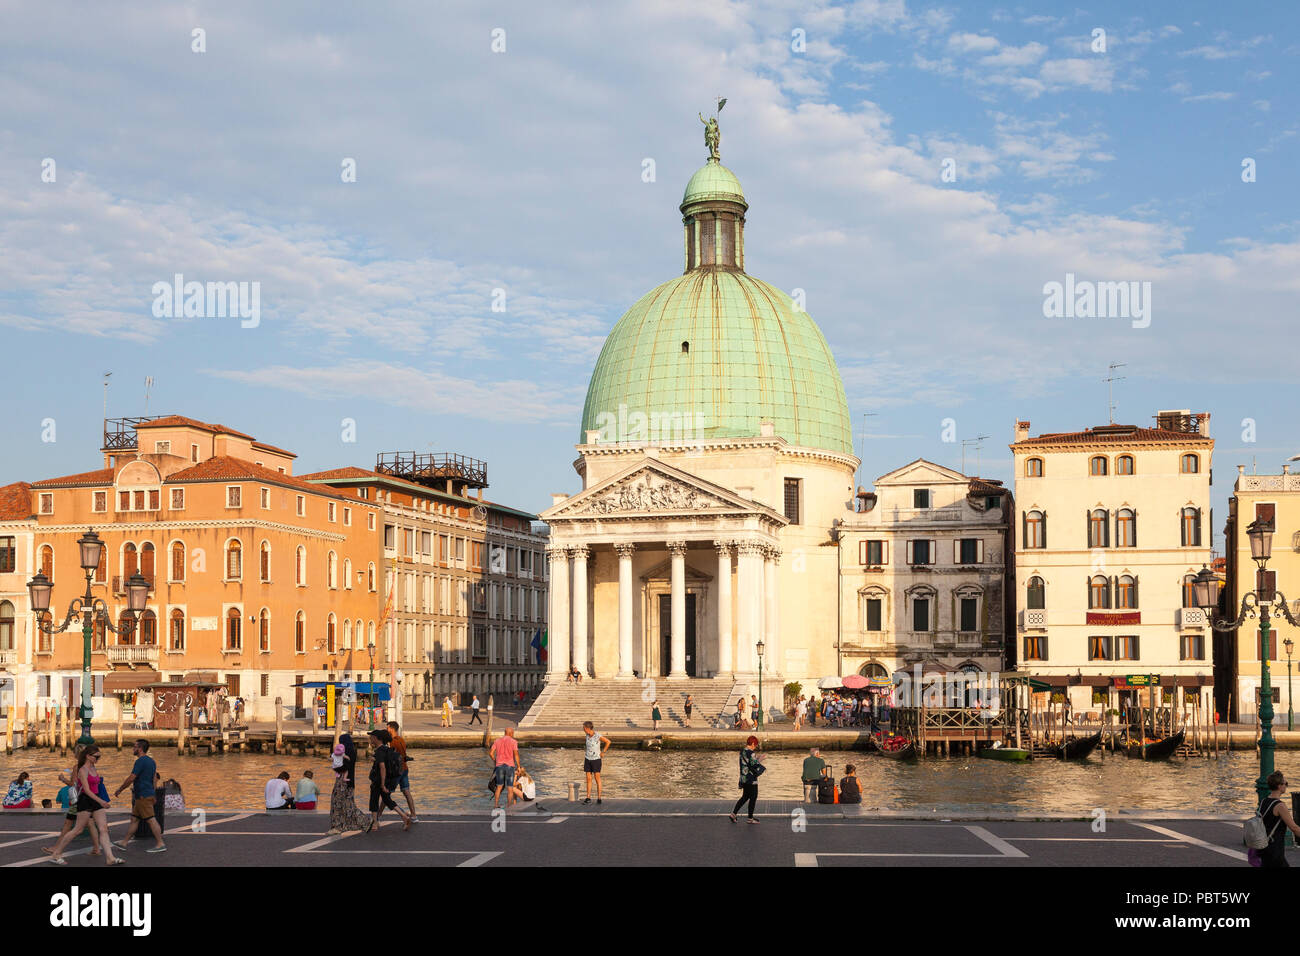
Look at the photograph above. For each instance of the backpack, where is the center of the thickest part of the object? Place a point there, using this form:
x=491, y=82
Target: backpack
x=1254, y=831
x=393, y=767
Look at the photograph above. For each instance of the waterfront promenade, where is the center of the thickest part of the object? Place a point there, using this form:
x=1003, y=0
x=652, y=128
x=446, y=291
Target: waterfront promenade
x=661, y=833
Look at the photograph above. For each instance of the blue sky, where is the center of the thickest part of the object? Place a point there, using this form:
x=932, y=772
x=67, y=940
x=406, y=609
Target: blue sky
x=521, y=170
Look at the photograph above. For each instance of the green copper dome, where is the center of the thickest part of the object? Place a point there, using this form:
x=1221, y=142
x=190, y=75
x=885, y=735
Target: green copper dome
x=713, y=181
x=726, y=349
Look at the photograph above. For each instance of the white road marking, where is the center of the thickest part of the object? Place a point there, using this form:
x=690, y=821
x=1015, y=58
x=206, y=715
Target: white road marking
x=1193, y=841
x=477, y=858
x=1005, y=850
x=999, y=844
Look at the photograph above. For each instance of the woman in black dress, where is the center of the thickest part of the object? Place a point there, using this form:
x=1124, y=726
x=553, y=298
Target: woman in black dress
x=344, y=814
x=1277, y=820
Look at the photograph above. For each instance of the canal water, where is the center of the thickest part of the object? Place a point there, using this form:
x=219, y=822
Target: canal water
x=456, y=780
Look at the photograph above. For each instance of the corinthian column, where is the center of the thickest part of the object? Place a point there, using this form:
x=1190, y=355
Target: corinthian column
x=724, y=606
x=749, y=595
x=557, y=651
x=580, y=555
x=678, y=650
x=624, y=608
x=772, y=609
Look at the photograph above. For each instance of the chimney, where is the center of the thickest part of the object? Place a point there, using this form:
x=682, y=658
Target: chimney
x=1203, y=424
x=1022, y=429
x=766, y=429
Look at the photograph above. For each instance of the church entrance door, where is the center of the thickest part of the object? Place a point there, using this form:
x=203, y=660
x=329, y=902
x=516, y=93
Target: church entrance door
x=666, y=637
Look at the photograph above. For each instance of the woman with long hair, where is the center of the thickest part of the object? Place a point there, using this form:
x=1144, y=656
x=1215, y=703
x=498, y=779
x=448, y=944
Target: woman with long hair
x=344, y=814
x=91, y=809
x=751, y=768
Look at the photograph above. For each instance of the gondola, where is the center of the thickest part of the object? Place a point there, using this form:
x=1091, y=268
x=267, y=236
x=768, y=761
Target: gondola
x=1159, y=749
x=1005, y=753
x=895, y=748
x=1076, y=748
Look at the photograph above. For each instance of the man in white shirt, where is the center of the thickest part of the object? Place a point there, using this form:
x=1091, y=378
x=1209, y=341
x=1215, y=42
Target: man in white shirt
x=278, y=794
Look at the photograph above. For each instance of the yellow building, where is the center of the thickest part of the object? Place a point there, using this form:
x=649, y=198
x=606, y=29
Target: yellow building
x=1260, y=497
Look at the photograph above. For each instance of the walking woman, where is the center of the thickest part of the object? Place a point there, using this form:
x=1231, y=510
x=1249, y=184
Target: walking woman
x=1277, y=820
x=344, y=814
x=751, y=768
x=91, y=809
x=655, y=714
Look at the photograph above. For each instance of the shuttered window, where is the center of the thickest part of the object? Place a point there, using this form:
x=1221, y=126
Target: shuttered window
x=792, y=499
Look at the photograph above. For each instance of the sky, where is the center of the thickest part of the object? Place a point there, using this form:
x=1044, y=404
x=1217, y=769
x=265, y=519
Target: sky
x=921, y=171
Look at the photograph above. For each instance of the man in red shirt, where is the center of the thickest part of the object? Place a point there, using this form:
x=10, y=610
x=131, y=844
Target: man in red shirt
x=505, y=757
x=404, y=781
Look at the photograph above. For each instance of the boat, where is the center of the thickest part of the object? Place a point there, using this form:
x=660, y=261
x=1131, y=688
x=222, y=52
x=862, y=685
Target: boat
x=1005, y=753
x=1157, y=749
x=1076, y=748
x=895, y=748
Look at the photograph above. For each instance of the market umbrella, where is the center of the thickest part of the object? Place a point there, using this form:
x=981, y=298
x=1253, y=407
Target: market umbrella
x=882, y=681
x=856, y=682
x=830, y=683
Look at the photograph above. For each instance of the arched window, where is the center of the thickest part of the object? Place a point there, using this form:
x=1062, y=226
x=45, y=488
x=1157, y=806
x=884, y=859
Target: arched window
x=1035, y=530
x=1124, y=465
x=1099, y=593
x=1189, y=590
x=1127, y=594
x=178, y=561
x=1098, y=528
x=101, y=572
x=98, y=634
x=370, y=576
x=130, y=561
x=147, y=562
x=1191, y=527
x=300, y=566
x=370, y=633
x=330, y=626
x=234, y=560
x=347, y=634
x=1126, y=535
x=45, y=640
x=300, y=633
x=1033, y=467
x=6, y=626
x=1097, y=465
x=46, y=562
x=1190, y=464
x=234, y=632
x=1036, y=594
x=176, y=633
x=264, y=562
x=347, y=574
x=264, y=630
x=128, y=628
x=332, y=570
x=149, y=628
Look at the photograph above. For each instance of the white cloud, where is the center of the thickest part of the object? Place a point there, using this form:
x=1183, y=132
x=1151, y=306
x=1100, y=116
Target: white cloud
x=1012, y=56
x=1095, y=74
x=1216, y=97
x=972, y=43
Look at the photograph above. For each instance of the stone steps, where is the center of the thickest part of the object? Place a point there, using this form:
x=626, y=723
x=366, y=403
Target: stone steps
x=620, y=704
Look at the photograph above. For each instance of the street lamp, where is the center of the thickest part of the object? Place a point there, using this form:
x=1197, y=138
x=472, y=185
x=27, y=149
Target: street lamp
x=760, y=647
x=1290, y=712
x=370, y=649
x=91, y=609
x=1263, y=600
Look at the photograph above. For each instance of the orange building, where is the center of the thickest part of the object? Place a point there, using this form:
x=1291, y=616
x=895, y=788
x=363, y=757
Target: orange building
x=256, y=576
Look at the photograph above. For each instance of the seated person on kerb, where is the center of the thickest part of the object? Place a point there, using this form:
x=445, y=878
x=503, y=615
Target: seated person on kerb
x=305, y=798
x=278, y=794
x=850, y=791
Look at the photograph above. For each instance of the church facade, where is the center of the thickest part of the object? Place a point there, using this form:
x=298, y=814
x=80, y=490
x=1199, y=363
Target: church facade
x=716, y=459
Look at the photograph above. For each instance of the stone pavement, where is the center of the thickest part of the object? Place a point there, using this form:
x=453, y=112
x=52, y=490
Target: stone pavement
x=659, y=833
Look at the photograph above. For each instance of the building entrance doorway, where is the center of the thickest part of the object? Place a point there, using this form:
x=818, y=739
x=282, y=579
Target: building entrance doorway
x=665, y=634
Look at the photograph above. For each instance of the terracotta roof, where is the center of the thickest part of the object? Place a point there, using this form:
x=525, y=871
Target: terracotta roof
x=103, y=476
x=225, y=468
x=279, y=451
x=986, y=486
x=351, y=471
x=173, y=421
x=16, y=501
x=1114, y=435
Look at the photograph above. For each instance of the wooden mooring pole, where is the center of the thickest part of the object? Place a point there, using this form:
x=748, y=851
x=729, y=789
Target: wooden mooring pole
x=119, y=726
x=279, y=726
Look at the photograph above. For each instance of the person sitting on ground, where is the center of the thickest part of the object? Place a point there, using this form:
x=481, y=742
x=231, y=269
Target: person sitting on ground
x=850, y=791
x=813, y=765
x=278, y=794
x=305, y=798
x=524, y=788
x=19, y=795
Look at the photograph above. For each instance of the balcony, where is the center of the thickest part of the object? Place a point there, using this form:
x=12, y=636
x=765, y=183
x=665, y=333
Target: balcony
x=120, y=591
x=8, y=658
x=133, y=654
x=1189, y=617
x=1033, y=619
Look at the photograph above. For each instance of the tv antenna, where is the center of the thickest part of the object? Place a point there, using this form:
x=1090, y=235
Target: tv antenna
x=1110, y=381
x=107, y=376
x=978, y=442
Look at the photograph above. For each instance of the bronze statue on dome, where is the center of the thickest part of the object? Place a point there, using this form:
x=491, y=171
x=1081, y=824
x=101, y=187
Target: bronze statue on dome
x=712, y=135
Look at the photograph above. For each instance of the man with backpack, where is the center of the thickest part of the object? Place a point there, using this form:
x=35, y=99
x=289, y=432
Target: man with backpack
x=384, y=776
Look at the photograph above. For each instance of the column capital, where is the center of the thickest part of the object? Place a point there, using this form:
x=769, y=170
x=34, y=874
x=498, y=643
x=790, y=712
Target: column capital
x=625, y=549
x=772, y=553
x=749, y=547
x=677, y=548
x=556, y=551
x=724, y=548
x=579, y=552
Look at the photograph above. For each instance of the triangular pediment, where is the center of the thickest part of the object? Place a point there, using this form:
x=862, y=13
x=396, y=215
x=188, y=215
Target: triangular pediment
x=651, y=487
x=921, y=471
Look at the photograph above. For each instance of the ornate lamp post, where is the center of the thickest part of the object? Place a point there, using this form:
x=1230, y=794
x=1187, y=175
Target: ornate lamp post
x=370, y=649
x=91, y=609
x=1262, y=600
x=760, y=647
x=1290, y=711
